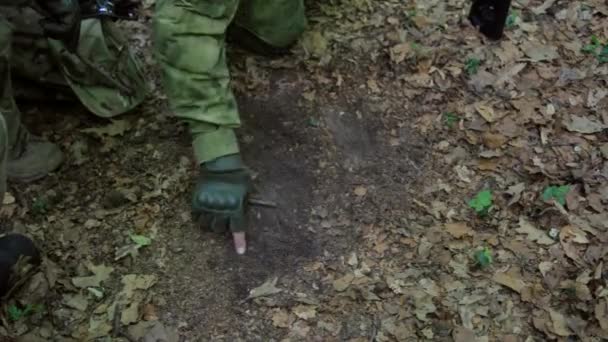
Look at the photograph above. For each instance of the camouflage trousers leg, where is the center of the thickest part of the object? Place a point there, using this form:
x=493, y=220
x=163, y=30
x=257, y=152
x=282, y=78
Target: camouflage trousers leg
x=7, y=108
x=103, y=74
x=13, y=130
x=190, y=39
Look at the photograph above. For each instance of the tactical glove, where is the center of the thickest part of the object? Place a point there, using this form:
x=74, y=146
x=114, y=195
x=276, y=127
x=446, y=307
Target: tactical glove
x=220, y=196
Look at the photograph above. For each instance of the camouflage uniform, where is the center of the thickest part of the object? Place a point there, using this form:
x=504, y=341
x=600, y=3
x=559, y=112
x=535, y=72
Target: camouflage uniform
x=102, y=72
x=190, y=40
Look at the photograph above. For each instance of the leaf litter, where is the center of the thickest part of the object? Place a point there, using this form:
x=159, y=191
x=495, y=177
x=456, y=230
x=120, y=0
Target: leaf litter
x=527, y=118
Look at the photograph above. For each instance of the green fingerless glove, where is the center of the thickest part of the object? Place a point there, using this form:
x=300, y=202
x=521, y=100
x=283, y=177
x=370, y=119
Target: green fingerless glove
x=220, y=196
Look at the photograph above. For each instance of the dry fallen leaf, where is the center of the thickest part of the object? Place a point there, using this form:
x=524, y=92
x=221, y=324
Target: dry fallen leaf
x=583, y=124
x=574, y=234
x=315, y=43
x=567, y=238
x=360, y=191
x=601, y=312
x=560, y=326
x=510, y=280
x=544, y=267
x=493, y=140
x=78, y=302
x=461, y=334
x=267, y=289
x=300, y=329
x=533, y=233
x=133, y=282
x=400, y=52
x=515, y=192
x=150, y=313
x=130, y=314
x=305, y=312
x=98, y=327
x=341, y=284
x=487, y=112
x=280, y=319
x=101, y=273
x=459, y=230
x=539, y=52
x=153, y=331
x=424, y=305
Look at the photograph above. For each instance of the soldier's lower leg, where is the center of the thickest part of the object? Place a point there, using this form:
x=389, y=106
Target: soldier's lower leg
x=28, y=158
x=268, y=27
x=490, y=16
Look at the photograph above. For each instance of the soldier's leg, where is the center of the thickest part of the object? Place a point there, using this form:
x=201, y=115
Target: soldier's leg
x=3, y=157
x=28, y=157
x=190, y=42
x=269, y=26
x=8, y=107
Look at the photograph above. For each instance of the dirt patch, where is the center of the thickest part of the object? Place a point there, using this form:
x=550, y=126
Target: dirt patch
x=308, y=169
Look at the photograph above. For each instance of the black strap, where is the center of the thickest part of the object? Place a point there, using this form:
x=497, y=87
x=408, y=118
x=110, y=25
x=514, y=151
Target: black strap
x=119, y=9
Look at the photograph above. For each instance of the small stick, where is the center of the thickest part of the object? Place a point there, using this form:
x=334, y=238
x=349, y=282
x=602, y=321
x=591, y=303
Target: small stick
x=261, y=203
x=116, y=323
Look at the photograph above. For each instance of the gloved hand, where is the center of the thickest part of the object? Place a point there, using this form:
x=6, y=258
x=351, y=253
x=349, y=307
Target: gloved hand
x=62, y=21
x=220, y=197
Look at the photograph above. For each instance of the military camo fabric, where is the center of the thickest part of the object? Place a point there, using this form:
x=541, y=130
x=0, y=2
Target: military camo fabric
x=190, y=38
x=102, y=73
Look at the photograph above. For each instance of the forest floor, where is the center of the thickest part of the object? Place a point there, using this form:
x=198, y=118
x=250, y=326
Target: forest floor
x=430, y=186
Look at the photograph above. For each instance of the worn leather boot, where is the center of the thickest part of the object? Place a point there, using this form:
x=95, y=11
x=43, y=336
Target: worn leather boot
x=33, y=159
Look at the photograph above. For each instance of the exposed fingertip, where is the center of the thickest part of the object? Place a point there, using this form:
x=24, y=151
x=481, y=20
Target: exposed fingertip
x=240, y=244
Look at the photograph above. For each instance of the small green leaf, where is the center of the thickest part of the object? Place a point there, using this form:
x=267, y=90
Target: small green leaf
x=602, y=57
x=472, y=66
x=40, y=206
x=14, y=313
x=482, y=202
x=95, y=292
x=589, y=48
x=512, y=19
x=483, y=257
x=313, y=122
x=450, y=119
x=556, y=193
x=141, y=240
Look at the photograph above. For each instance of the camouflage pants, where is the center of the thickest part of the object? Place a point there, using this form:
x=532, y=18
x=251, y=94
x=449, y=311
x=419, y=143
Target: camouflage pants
x=190, y=40
x=102, y=73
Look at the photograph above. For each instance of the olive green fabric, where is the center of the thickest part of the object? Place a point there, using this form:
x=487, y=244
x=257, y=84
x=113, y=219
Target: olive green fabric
x=103, y=72
x=8, y=108
x=6, y=102
x=190, y=39
x=277, y=22
x=3, y=158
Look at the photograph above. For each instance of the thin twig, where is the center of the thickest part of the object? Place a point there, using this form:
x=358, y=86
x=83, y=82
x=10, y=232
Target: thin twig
x=261, y=203
x=116, y=322
x=22, y=279
x=374, y=332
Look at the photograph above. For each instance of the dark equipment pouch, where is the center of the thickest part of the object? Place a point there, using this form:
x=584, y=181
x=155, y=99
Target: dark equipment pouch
x=490, y=16
x=117, y=10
